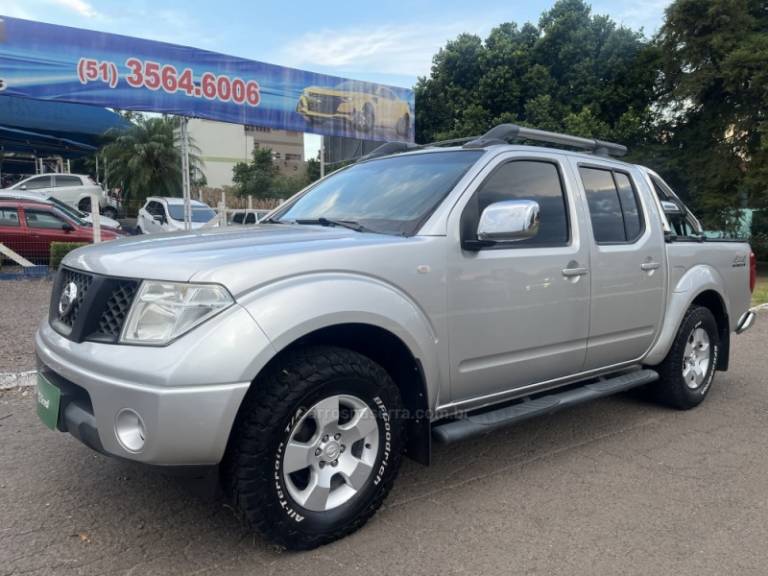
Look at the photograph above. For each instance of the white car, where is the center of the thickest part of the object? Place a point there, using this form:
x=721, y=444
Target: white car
x=73, y=212
x=250, y=216
x=165, y=214
x=72, y=189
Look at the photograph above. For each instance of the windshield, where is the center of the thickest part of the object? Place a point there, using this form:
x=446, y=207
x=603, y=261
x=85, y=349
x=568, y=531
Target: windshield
x=199, y=213
x=73, y=213
x=391, y=195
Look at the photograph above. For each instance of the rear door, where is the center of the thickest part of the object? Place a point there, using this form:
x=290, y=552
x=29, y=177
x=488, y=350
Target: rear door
x=518, y=312
x=628, y=272
x=67, y=188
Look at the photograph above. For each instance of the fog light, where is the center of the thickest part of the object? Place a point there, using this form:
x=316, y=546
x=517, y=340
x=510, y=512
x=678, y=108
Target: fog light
x=129, y=429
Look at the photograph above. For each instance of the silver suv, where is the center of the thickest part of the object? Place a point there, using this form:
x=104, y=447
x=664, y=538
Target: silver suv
x=424, y=293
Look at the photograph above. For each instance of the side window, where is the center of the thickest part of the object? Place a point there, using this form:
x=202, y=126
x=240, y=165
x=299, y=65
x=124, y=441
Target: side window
x=66, y=181
x=43, y=219
x=155, y=209
x=251, y=218
x=38, y=183
x=9, y=217
x=524, y=180
x=633, y=219
x=238, y=218
x=613, y=206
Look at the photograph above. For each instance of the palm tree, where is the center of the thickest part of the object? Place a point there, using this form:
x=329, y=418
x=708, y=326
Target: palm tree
x=146, y=159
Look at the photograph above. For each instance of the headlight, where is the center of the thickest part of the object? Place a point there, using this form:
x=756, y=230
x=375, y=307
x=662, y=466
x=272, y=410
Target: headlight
x=162, y=311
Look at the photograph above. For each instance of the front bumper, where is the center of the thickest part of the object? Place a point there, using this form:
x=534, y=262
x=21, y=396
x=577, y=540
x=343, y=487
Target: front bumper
x=187, y=394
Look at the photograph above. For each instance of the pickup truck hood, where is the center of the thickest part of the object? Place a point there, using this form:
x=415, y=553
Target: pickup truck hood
x=237, y=257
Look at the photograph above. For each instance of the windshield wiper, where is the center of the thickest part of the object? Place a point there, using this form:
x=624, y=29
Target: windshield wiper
x=351, y=224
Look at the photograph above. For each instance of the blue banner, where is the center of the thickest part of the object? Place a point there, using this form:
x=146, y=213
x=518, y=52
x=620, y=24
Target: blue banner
x=62, y=64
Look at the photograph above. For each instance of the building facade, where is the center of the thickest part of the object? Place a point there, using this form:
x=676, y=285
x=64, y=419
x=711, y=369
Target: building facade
x=223, y=145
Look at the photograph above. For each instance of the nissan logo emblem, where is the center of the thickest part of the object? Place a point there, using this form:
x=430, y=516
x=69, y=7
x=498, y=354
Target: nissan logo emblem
x=67, y=299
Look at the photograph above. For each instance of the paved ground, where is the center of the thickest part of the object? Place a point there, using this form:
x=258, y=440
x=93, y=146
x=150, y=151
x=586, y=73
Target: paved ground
x=616, y=487
x=23, y=303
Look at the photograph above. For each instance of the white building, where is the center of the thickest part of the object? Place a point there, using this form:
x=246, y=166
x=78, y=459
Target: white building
x=223, y=145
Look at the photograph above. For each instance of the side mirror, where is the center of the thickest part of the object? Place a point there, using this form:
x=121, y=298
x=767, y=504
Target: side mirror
x=66, y=227
x=23, y=187
x=508, y=221
x=158, y=218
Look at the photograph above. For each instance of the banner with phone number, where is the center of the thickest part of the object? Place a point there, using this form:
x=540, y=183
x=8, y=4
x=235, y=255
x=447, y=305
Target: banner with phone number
x=59, y=63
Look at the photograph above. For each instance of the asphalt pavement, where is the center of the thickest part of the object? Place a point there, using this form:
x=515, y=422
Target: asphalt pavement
x=620, y=486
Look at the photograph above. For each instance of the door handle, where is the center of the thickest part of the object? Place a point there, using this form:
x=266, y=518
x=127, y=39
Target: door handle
x=648, y=266
x=571, y=272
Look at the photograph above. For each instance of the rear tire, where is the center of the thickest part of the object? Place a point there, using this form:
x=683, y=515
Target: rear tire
x=313, y=407
x=687, y=372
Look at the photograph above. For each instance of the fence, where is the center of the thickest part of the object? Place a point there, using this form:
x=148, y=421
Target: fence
x=233, y=209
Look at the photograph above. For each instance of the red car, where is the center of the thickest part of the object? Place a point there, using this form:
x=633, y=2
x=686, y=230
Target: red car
x=28, y=227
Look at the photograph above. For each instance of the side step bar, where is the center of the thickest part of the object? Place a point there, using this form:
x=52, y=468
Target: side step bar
x=483, y=422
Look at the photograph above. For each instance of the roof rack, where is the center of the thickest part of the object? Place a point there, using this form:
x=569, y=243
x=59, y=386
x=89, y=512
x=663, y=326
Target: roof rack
x=389, y=148
x=503, y=133
x=395, y=147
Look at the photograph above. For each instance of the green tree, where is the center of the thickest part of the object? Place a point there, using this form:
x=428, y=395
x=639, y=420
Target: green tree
x=146, y=159
x=256, y=178
x=313, y=170
x=715, y=79
x=572, y=71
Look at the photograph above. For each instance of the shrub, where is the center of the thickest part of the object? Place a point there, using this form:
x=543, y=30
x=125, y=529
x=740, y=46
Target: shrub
x=61, y=249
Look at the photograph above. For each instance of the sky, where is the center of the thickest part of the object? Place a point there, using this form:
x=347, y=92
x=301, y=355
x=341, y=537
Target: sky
x=391, y=42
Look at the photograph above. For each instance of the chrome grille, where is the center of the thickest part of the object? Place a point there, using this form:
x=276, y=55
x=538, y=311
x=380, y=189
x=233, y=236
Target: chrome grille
x=116, y=309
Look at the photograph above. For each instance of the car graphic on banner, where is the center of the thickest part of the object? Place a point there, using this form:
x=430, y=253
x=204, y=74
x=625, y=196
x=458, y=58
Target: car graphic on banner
x=362, y=110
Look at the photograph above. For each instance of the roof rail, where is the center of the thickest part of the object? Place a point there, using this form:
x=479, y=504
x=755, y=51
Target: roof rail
x=503, y=133
x=389, y=148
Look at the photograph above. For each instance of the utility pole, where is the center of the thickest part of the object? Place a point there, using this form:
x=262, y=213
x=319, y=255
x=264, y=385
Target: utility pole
x=322, y=156
x=185, y=174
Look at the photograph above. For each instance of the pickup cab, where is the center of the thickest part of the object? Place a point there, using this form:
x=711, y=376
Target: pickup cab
x=425, y=293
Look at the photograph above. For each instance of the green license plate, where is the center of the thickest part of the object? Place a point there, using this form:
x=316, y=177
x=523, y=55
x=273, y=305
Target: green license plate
x=48, y=398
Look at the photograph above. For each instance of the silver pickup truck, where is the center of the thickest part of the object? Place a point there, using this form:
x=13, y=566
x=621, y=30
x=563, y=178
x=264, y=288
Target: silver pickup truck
x=425, y=293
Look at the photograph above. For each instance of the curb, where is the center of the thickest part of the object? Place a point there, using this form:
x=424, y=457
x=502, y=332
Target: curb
x=11, y=380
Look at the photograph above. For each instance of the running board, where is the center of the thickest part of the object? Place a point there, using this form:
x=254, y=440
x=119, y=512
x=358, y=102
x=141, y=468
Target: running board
x=483, y=422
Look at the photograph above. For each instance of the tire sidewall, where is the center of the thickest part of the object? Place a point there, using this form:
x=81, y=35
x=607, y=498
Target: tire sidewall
x=384, y=405
x=701, y=318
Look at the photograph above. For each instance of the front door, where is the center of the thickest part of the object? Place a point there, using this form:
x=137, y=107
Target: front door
x=518, y=312
x=628, y=275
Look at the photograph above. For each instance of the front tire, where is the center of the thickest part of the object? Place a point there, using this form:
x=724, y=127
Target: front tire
x=687, y=372
x=316, y=447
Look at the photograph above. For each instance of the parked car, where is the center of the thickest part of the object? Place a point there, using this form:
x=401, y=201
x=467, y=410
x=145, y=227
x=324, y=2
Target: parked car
x=362, y=109
x=164, y=214
x=85, y=217
x=73, y=189
x=424, y=294
x=248, y=216
x=28, y=227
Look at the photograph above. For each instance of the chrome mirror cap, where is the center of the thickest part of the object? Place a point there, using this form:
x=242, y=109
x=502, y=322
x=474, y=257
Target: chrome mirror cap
x=509, y=221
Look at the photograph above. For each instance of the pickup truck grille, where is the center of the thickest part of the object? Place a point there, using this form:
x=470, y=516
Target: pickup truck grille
x=90, y=307
x=81, y=282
